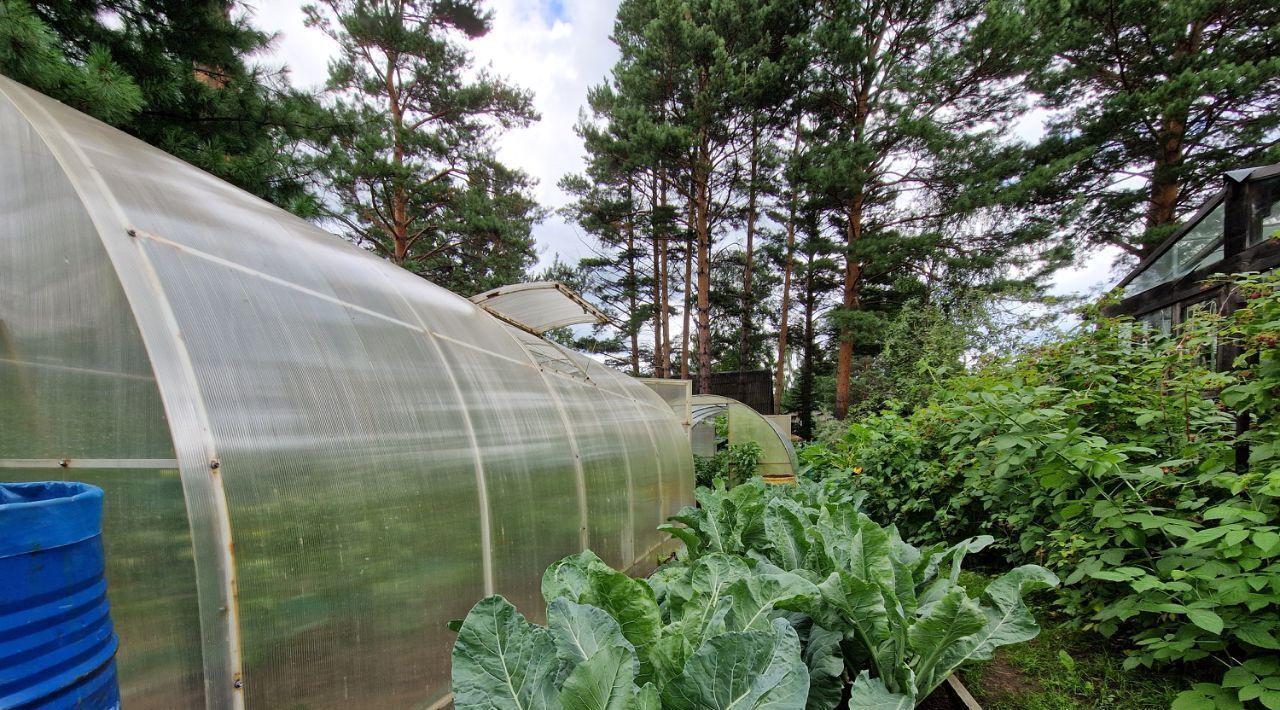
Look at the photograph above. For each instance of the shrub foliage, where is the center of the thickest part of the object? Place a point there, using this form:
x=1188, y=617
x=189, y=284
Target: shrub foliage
x=1110, y=457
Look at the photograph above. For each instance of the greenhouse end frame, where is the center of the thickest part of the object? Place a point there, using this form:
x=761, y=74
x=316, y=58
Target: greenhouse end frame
x=313, y=459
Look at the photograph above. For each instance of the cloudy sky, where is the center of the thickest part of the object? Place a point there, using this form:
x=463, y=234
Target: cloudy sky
x=557, y=49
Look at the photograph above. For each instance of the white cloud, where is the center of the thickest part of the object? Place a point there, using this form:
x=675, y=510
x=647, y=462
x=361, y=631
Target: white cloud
x=1096, y=273
x=557, y=50
x=304, y=50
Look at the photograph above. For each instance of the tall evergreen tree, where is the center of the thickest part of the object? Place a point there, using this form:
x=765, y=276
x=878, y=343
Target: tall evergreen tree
x=695, y=76
x=894, y=85
x=178, y=75
x=784, y=256
x=1154, y=100
x=740, y=348
x=817, y=268
x=414, y=177
x=614, y=276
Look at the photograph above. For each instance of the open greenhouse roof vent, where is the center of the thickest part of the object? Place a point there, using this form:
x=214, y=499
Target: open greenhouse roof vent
x=539, y=306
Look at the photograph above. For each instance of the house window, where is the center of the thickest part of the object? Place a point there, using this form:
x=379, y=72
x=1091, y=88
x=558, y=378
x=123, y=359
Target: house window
x=1160, y=321
x=1266, y=209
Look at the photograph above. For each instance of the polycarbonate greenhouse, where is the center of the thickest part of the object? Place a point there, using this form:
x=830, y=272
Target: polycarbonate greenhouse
x=312, y=459
x=778, y=463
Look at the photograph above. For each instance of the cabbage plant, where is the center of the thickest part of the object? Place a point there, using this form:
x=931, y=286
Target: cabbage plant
x=606, y=647
x=781, y=596
x=903, y=620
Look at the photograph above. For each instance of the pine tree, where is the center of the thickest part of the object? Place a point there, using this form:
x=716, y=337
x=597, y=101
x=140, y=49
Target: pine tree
x=414, y=177
x=617, y=202
x=894, y=85
x=784, y=256
x=175, y=74
x=613, y=277
x=31, y=53
x=694, y=76
x=817, y=276
x=740, y=349
x=1153, y=100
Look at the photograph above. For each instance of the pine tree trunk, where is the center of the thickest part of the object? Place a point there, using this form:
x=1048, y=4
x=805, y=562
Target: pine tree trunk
x=852, y=282
x=659, y=361
x=1166, y=187
x=632, y=295
x=806, y=361
x=666, y=287
x=744, y=334
x=399, y=195
x=688, y=295
x=780, y=375
x=702, y=231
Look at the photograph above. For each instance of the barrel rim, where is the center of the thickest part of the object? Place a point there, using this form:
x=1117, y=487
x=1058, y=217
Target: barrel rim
x=43, y=515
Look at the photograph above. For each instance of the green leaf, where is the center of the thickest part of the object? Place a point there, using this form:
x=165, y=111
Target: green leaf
x=580, y=630
x=1203, y=537
x=1207, y=696
x=1264, y=666
x=855, y=605
x=585, y=579
x=646, y=698
x=570, y=577
x=1235, y=537
x=667, y=656
x=1267, y=541
x=870, y=694
x=1206, y=620
x=936, y=638
x=1258, y=635
x=866, y=555
x=1191, y=700
x=1120, y=574
x=502, y=661
x=785, y=526
x=743, y=670
x=631, y=603
x=606, y=681
x=822, y=655
x=1007, y=621
x=753, y=598
x=717, y=521
x=1237, y=677
x=689, y=537
x=1067, y=661
x=949, y=559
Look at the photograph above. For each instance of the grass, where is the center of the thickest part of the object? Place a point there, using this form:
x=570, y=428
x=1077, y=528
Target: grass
x=1065, y=669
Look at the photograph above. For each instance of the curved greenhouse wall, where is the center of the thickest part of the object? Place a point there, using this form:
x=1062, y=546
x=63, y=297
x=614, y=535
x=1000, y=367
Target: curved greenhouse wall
x=312, y=459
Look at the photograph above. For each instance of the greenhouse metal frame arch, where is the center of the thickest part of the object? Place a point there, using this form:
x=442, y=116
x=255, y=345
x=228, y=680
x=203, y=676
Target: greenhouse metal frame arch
x=312, y=458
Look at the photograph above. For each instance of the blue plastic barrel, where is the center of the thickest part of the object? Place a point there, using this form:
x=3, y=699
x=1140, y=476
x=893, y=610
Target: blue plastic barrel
x=57, y=647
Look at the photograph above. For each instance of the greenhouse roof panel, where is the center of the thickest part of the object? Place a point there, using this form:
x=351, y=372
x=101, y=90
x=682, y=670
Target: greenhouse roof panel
x=539, y=306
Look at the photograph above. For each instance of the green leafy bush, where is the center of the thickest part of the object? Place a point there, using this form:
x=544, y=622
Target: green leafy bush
x=1105, y=457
